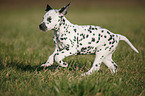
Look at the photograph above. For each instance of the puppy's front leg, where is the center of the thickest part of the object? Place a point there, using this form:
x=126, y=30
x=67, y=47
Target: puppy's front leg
x=62, y=54
x=50, y=60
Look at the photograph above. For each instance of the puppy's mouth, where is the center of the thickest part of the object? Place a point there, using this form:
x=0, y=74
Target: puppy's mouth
x=42, y=27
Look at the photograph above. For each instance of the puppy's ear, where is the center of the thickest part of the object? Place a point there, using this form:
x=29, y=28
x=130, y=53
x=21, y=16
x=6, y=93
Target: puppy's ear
x=64, y=9
x=48, y=8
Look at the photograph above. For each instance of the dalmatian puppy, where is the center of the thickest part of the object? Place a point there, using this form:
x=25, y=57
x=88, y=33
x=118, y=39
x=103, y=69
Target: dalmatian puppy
x=72, y=39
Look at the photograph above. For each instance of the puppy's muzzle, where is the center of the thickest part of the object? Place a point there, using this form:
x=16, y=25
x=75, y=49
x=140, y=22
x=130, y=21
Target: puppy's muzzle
x=43, y=27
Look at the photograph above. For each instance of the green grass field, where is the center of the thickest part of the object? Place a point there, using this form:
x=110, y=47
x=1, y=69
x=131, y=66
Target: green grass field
x=23, y=48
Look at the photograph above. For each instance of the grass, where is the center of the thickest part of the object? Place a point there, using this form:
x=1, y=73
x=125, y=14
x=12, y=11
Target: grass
x=23, y=48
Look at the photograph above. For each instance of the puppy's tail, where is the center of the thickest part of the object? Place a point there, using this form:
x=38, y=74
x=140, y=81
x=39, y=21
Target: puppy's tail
x=121, y=37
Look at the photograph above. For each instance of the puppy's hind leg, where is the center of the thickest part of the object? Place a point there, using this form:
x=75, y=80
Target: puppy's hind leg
x=97, y=63
x=110, y=63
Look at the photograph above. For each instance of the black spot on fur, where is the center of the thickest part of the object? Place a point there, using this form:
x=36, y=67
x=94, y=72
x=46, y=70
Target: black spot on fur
x=97, y=42
x=113, y=42
x=75, y=30
x=93, y=39
x=87, y=36
x=63, y=20
x=115, y=66
x=106, y=48
x=110, y=38
x=108, y=32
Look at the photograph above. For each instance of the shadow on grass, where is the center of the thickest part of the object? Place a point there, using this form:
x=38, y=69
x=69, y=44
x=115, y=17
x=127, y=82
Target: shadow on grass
x=26, y=67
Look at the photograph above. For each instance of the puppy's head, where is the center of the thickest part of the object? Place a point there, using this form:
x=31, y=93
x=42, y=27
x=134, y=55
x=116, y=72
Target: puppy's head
x=52, y=18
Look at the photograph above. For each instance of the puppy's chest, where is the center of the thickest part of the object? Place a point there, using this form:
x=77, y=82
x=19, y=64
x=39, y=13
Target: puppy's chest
x=65, y=39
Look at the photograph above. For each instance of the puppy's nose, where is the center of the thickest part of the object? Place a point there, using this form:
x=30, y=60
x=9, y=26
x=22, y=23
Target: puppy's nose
x=43, y=27
x=40, y=26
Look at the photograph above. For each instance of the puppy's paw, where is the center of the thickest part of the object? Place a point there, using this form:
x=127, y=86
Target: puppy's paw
x=45, y=65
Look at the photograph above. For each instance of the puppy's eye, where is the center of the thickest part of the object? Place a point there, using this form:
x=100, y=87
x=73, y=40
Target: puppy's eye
x=49, y=19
